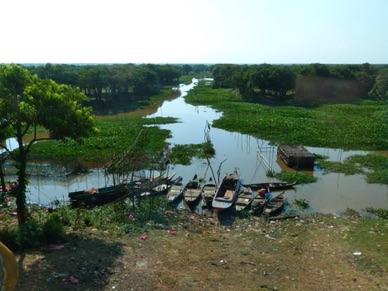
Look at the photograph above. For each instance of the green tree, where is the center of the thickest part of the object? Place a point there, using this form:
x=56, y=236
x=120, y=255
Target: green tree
x=26, y=103
x=380, y=88
x=145, y=80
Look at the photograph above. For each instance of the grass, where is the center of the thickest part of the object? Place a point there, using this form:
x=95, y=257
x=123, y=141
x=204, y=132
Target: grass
x=368, y=236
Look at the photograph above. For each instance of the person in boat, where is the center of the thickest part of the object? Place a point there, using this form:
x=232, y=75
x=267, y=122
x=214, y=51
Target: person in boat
x=264, y=193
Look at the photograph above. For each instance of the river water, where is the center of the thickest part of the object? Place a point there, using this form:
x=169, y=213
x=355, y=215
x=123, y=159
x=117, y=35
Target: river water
x=252, y=157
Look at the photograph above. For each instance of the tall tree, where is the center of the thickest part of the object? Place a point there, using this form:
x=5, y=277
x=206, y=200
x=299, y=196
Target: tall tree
x=380, y=88
x=26, y=103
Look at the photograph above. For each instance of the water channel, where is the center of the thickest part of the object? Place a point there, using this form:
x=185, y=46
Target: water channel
x=252, y=157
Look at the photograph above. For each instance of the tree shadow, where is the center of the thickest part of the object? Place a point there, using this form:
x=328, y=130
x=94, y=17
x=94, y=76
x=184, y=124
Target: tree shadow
x=88, y=260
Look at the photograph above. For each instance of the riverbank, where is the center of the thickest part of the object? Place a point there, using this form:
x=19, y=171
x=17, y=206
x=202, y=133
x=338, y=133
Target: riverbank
x=205, y=253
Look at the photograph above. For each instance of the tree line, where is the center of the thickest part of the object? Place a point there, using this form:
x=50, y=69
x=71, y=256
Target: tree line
x=283, y=80
x=108, y=84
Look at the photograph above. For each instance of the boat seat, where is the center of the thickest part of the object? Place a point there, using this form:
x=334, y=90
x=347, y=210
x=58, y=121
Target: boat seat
x=228, y=194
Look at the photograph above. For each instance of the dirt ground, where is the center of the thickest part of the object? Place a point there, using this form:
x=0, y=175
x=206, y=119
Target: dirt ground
x=208, y=253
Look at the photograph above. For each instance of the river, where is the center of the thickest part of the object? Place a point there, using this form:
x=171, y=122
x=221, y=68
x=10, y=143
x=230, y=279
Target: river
x=252, y=157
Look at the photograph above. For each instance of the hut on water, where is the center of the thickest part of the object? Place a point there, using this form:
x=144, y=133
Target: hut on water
x=296, y=156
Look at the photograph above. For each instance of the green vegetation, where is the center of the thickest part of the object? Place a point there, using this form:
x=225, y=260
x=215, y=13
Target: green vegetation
x=29, y=103
x=351, y=212
x=33, y=234
x=115, y=135
x=302, y=203
x=376, y=165
x=380, y=212
x=120, y=217
x=298, y=177
x=330, y=125
x=368, y=236
x=373, y=166
x=340, y=167
x=182, y=154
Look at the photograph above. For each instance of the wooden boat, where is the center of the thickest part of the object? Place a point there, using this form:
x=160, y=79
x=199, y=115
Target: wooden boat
x=228, y=191
x=97, y=196
x=209, y=189
x=245, y=199
x=100, y=196
x=192, y=193
x=275, y=206
x=260, y=202
x=156, y=190
x=175, y=194
x=274, y=186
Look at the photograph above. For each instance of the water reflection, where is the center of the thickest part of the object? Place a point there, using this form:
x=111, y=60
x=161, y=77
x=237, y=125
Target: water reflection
x=251, y=156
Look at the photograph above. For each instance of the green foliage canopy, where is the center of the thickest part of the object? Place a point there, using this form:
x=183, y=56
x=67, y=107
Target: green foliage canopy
x=28, y=103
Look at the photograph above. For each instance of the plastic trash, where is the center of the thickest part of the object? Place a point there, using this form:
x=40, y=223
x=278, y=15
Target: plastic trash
x=144, y=237
x=73, y=280
x=56, y=247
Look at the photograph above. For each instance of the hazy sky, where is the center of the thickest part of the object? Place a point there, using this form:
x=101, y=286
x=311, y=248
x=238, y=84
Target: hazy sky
x=198, y=31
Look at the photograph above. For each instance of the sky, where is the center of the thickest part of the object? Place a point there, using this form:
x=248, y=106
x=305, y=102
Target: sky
x=194, y=32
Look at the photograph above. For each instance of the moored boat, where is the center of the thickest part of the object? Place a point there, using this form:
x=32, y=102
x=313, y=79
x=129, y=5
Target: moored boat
x=97, y=196
x=192, y=193
x=175, y=194
x=275, y=206
x=245, y=199
x=227, y=192
x=209, y=189
x=153, y=189
x=103, y=195
x=274, y=186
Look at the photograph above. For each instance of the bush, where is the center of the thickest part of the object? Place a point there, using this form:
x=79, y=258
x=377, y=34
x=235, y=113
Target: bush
x=8, y=237
x=53, y=230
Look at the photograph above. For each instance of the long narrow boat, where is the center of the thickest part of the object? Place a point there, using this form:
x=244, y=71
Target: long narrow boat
x=100, y=196
x=268, y=204
x=274, y=186
x=209, y=189
x=192, y=193
x=159, y=189
x=275, y=206
x=258, y=204
x=227, y=192
x=97, y=196
x=245, y=199
x=175, y=194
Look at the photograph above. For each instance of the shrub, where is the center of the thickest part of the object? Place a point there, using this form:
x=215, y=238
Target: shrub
x=53, y=230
